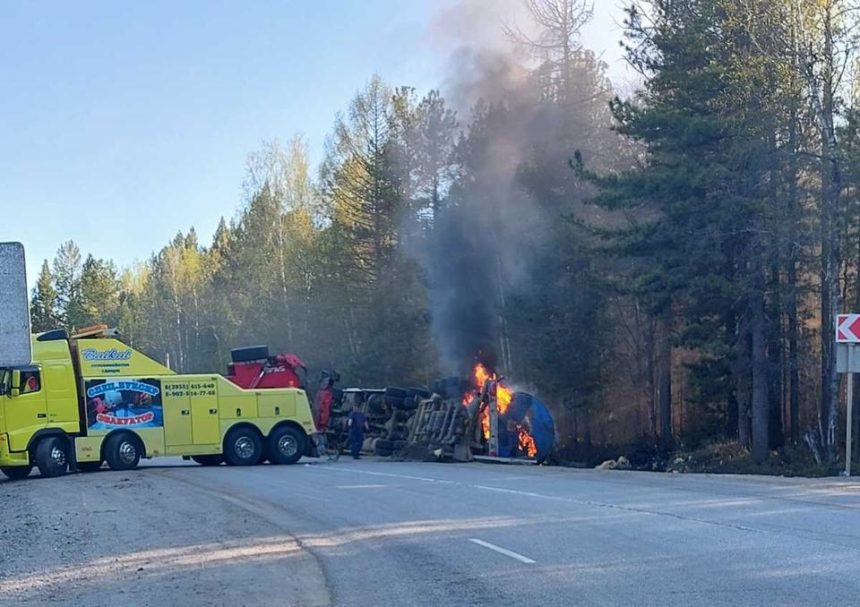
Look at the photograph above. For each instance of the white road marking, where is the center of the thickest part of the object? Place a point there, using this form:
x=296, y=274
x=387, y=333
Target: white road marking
x=515, y=492
x=390, y=475
x=361, y=486
x=500, y=550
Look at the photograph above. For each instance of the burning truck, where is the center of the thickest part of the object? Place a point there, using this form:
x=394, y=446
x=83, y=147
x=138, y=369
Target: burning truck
x=457, y=418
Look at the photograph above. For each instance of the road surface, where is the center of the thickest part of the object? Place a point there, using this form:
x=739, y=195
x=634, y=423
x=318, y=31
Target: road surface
x=373, y=533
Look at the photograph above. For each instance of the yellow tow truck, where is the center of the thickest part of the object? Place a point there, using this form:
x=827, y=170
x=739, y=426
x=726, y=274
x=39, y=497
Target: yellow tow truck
x=90, y=399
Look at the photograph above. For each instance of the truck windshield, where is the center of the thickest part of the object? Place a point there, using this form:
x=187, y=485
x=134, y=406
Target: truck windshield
x=5, y=375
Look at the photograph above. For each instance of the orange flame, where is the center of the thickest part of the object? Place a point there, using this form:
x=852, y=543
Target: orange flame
x=482, y=375
x=503, y=395
x=527, y=443
x=503, y=398
x=485, y=424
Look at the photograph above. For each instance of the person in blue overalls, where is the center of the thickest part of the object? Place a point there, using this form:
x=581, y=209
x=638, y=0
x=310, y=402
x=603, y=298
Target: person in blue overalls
x=357, y=424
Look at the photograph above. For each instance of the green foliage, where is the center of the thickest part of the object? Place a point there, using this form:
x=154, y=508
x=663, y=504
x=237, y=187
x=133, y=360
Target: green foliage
x=97, y=297
x=43, y=304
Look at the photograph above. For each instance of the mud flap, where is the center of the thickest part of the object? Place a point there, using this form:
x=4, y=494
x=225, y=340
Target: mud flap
x=316, y=446
x=73, y=456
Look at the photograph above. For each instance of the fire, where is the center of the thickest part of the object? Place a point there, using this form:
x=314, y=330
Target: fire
x=527, y=443
x=503, y=394
x=503, y=398
x=482, y=375
x=485, y=424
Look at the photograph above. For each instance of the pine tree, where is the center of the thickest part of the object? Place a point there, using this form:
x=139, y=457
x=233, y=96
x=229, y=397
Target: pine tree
x=699, y=205
x=96, y=298
x=436, y=133
x=66, y=271
x=43, y=306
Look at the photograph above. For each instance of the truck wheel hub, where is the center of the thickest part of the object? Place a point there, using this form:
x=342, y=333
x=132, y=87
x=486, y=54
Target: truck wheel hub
x=288, y=446
x=127, y=452
x=244, y=447
x=58, y=456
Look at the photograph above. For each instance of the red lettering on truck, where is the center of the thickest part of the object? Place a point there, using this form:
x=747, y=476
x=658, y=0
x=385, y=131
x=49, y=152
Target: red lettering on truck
x=125, y=421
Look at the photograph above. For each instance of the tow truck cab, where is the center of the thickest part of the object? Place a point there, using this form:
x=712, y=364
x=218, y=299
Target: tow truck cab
x=90, y=399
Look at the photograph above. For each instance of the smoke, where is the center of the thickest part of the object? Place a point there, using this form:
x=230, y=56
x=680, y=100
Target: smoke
x=467, y=256
x=482, y=62
x=462, y=313
x=499, y=209
x=478, y=24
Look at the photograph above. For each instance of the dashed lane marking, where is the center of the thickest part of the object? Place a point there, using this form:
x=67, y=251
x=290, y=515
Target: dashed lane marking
x=361, y=486
x=510, y=553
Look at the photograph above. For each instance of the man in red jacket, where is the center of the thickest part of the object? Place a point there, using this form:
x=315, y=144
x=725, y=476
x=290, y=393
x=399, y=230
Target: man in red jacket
x=322, y=403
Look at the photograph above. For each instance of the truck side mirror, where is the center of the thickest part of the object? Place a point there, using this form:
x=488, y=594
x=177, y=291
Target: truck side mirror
x=15, y=387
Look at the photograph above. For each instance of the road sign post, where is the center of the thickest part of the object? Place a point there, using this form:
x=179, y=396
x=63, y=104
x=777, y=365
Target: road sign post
x=847, y=338
x=849, y=407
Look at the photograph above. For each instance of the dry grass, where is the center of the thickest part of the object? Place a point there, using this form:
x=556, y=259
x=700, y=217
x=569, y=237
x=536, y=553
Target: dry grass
x=731, y=458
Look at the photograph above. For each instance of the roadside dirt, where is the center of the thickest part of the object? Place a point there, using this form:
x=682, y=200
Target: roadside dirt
x=140, y=539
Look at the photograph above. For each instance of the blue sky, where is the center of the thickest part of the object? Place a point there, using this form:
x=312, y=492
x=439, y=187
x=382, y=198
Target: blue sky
x=124, y=122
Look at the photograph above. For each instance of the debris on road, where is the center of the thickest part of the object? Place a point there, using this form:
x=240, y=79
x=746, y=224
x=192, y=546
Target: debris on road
x=622, y=463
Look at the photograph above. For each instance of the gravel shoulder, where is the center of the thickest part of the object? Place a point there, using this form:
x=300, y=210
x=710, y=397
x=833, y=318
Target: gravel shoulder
x=141, y=538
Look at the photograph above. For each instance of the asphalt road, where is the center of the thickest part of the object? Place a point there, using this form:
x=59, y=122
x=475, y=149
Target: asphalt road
x=371, y=533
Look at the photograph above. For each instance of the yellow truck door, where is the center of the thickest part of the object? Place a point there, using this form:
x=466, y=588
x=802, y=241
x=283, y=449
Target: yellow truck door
x=62, y=396
x=206, y=427
x=177, y=414
x=28, y=411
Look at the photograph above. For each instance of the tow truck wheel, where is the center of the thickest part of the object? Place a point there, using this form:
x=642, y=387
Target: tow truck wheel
x=208, y=460
x=122, y=452
x=52, y=456
x=243, y=447
x=17, y=473
x=285, y=445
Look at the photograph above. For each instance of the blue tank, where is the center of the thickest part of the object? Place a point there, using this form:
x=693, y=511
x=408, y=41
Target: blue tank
x=525, y=405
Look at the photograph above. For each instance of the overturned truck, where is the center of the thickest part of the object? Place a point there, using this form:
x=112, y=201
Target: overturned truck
x=457, y=419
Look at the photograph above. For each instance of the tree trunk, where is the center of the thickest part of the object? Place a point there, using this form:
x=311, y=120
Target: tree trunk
x=793, y=359
x=652, y=365
x=504, y=338
x=822, y=98
x=743, y=388
x=793, y=249
x=665, y=382
x=760, y=404
x=776, y=438
x=731, y=323
x=586, y=434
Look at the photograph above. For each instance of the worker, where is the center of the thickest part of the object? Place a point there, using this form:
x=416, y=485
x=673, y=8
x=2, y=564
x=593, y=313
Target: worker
x=322, y=403
x=30, y=381
x=357, y=424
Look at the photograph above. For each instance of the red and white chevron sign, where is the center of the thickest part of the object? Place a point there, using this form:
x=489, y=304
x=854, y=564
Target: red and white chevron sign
x=848, y=328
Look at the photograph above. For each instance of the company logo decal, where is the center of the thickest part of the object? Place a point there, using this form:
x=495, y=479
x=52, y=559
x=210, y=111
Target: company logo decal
x=128, y=385
x=112, y=354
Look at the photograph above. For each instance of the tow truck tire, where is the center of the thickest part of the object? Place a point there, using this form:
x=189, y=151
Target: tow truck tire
x=17, y=473
x=249, y=354
x=208, y=460
x=122, y=452
x=243, y=447
x=89, y=466
x=52, y=456
x=285, y=445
